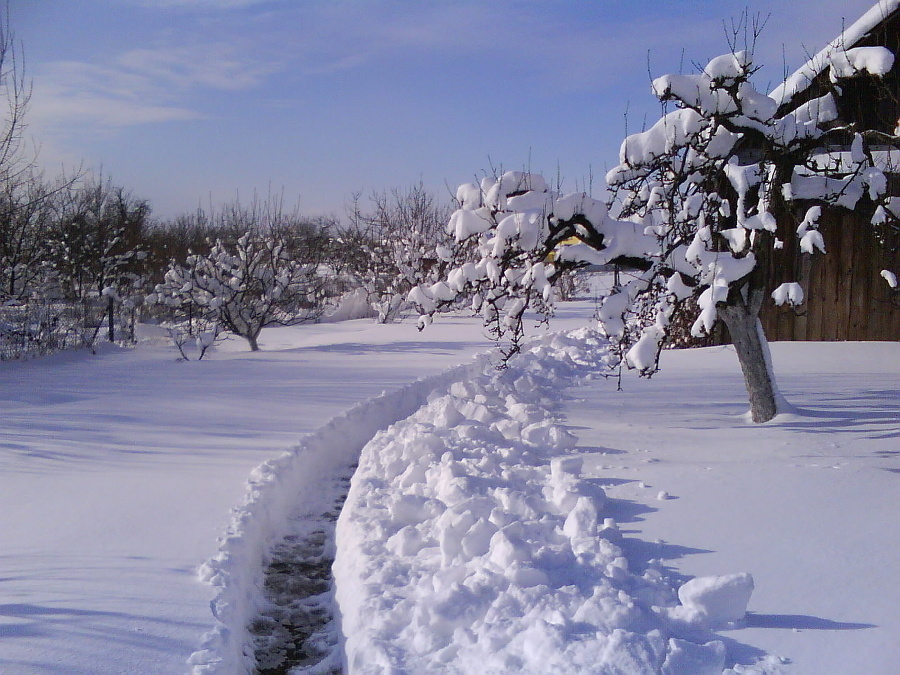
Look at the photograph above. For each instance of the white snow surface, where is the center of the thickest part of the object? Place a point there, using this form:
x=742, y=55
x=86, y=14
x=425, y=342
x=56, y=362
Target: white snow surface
x=529, y=520
x=119, y=472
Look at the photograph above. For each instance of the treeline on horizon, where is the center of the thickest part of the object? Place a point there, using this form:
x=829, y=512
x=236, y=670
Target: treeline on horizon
x=80, y=257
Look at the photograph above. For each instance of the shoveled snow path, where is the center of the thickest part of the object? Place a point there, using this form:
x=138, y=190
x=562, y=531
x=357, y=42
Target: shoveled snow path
x=297, y=627
x=470, y=544
x=119, y=470
x=297, y=487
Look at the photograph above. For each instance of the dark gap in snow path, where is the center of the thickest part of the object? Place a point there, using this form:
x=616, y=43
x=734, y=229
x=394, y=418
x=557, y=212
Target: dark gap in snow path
x=297, y=632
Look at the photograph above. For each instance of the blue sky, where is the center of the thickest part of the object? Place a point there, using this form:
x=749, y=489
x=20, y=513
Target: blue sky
x=190, y=101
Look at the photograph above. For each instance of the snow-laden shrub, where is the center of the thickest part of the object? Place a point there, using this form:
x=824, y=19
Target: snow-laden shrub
x=241, y=289
x=397, y=245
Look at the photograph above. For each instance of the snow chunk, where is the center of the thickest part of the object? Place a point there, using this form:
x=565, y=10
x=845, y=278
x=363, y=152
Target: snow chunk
x=889, y=277
x=876, y=61
x=790, y=293
x=727, y=66
x=671, y=131
x=582, y=520
x=676, y=286
x=567, y=206
x=817, y=111
x=720, y=600
x=811, y=241
x=466, y=222
x=469, y=196
x=736, y=238
x=643, y=354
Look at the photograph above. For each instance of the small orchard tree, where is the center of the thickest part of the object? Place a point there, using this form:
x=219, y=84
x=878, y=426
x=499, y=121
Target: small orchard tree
x=399, y=239
x=701, y=201
x=242, y=288
x=95, y=240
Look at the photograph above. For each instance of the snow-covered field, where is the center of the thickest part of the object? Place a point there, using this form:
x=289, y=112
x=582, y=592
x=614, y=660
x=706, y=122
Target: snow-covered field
x=534, y=520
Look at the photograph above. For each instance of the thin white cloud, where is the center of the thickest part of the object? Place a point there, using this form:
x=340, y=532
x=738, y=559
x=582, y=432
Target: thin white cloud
x=214, y=66
x=528, y=41
x=545, y=41
x=141, y=86
x=198, y=4
x=58, y=108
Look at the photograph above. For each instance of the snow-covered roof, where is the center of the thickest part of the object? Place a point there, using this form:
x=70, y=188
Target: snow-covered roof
x=803, y=77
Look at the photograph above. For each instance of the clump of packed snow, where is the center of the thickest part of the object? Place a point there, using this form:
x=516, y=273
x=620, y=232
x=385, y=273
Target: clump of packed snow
x=471, y=543
x=876, y=61
x=832, y=53
x=718, y=600
x=790, y=293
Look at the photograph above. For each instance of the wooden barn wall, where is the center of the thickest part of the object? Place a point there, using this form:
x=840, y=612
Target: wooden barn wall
x=845, y=296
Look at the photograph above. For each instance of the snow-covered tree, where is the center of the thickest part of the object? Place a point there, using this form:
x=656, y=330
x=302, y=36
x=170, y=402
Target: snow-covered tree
x=702, y=200
x=242, y=288
x=95, y=240
x=95, y=248
x=513, y=223
x=397, y=242
x=24, y=219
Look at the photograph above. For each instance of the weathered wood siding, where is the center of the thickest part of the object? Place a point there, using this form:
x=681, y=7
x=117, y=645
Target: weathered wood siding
x=846, y=297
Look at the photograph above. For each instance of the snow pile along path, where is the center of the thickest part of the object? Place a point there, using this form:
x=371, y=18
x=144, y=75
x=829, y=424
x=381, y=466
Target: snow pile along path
x=470, y=544
x=285, y=496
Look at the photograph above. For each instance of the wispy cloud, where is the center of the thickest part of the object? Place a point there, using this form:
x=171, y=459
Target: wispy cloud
x=140, y=86
x=558, y=47
x=59, y=107
x=198, y=4
x=216, y=66
x=561, y=45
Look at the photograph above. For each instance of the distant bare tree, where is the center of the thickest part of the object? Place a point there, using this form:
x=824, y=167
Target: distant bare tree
x=21, y=191
x=24, y=219
x=15, y=89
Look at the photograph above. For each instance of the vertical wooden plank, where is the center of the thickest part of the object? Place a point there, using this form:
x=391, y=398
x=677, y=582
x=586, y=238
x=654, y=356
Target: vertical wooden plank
x=840, y=313
x=863, y=256
x=824, y=279
x=804, y=267
x=850, y=229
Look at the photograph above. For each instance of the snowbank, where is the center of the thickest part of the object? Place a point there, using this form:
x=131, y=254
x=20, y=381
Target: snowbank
x=292, y=486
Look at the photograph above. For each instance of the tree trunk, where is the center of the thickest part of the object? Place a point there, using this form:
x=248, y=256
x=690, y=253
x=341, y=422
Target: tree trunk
x=111, y=316
x=752, y=352
x=254, y=345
